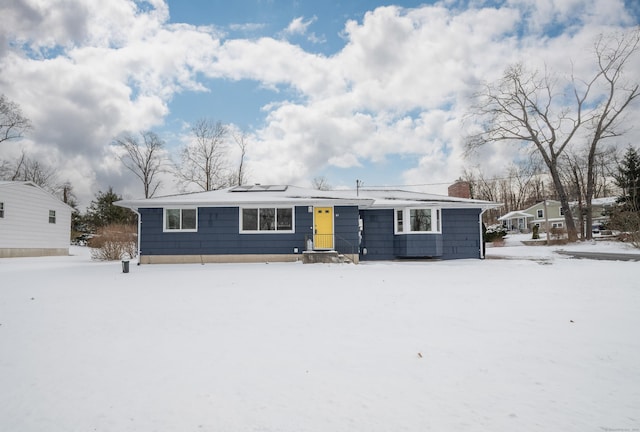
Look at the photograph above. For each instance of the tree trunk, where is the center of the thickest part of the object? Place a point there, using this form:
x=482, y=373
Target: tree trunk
x=572, y=233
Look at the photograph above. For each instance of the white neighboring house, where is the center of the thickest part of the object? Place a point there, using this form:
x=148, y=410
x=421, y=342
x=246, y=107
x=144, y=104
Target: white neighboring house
x=32, y=221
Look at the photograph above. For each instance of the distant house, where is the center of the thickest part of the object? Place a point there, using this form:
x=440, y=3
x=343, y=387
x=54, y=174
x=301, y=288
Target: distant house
x=516, y=221
x=279, y=223
x=600, y=209
x=525, y=220
x=32, y=221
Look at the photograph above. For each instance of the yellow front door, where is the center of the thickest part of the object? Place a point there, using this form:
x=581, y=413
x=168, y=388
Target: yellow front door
x=323, y=228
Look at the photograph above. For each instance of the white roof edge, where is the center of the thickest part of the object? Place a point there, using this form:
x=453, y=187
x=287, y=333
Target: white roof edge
x=293, y=195
x=136, y=204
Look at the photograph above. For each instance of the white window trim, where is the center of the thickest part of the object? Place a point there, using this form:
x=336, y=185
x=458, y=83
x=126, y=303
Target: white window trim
x=436, y=220
x=164, y=219
x=275, y=231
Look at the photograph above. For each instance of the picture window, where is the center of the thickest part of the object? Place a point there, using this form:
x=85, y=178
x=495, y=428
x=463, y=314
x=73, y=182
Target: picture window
x=266, y=219
x=418, y=220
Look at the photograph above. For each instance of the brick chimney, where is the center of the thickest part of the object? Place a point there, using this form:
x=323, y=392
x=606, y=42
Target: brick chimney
x=460, y=189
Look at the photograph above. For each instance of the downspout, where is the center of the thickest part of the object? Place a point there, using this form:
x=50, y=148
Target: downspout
x=481, y=236
x=139, y=232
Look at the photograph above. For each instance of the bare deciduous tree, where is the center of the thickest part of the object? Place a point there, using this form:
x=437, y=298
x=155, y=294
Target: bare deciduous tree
x=203, y=161
x=240, y=176
x=575, y=171
x=13, y=124
x=530, y=108
x=143, y=158
x=321, y=183
x=613, y=53
x=516, y=188
x=25, y=168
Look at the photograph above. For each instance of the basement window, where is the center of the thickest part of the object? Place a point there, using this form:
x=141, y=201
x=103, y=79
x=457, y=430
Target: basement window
x=181, y=219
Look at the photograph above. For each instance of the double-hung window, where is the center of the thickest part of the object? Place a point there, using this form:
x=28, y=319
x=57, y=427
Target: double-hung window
x=1, y=210
x=266, y=219
x=180, y=219
x=418, y=220
x=52, y=216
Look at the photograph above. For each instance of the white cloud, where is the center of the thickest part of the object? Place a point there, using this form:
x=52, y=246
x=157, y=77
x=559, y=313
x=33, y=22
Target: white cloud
x=298, y=26
x=402, y=82
x=85, y=72
x=117, y=70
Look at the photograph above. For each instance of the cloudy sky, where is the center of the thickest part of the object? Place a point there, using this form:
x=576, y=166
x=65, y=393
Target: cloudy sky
x=348, y=90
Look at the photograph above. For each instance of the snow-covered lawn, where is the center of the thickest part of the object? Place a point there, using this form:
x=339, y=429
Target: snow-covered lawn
x=493, y=345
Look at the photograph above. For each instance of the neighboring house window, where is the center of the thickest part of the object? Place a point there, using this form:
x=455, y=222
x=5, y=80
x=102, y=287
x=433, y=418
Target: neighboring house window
x=556, y=225
x=180, y=219
x=52, y=216
x=417, y=220
x=266, y=219
x=540, y=213
x=1, y=209
x=561, y=211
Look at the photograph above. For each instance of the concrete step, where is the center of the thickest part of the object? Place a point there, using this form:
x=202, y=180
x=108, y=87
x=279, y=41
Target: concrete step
x=312, y=257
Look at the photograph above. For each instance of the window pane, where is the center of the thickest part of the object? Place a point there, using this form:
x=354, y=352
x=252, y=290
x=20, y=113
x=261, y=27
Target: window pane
x=249, y=219
x=420, y=219
x=267, y=219
x=399, y=226
x=285, y=219
x=189, y=218
x=172, y=219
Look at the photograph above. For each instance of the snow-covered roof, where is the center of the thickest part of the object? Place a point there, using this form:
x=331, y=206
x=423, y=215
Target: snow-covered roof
x=604, y=201
x=285, y=194
x=9, y=183
x=515, y=215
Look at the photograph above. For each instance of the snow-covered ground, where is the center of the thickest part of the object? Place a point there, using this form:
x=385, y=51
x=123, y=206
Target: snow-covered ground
x=514, y=248
x=496, y=345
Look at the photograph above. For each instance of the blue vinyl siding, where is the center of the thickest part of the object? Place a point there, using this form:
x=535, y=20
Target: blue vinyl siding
x=460, y=237
x=377, y=234
x=346, y=229
x=219, y=234
x=461, y=233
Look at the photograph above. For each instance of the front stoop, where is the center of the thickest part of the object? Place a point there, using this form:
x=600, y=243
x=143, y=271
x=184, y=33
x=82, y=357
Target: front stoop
x=313, y=257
